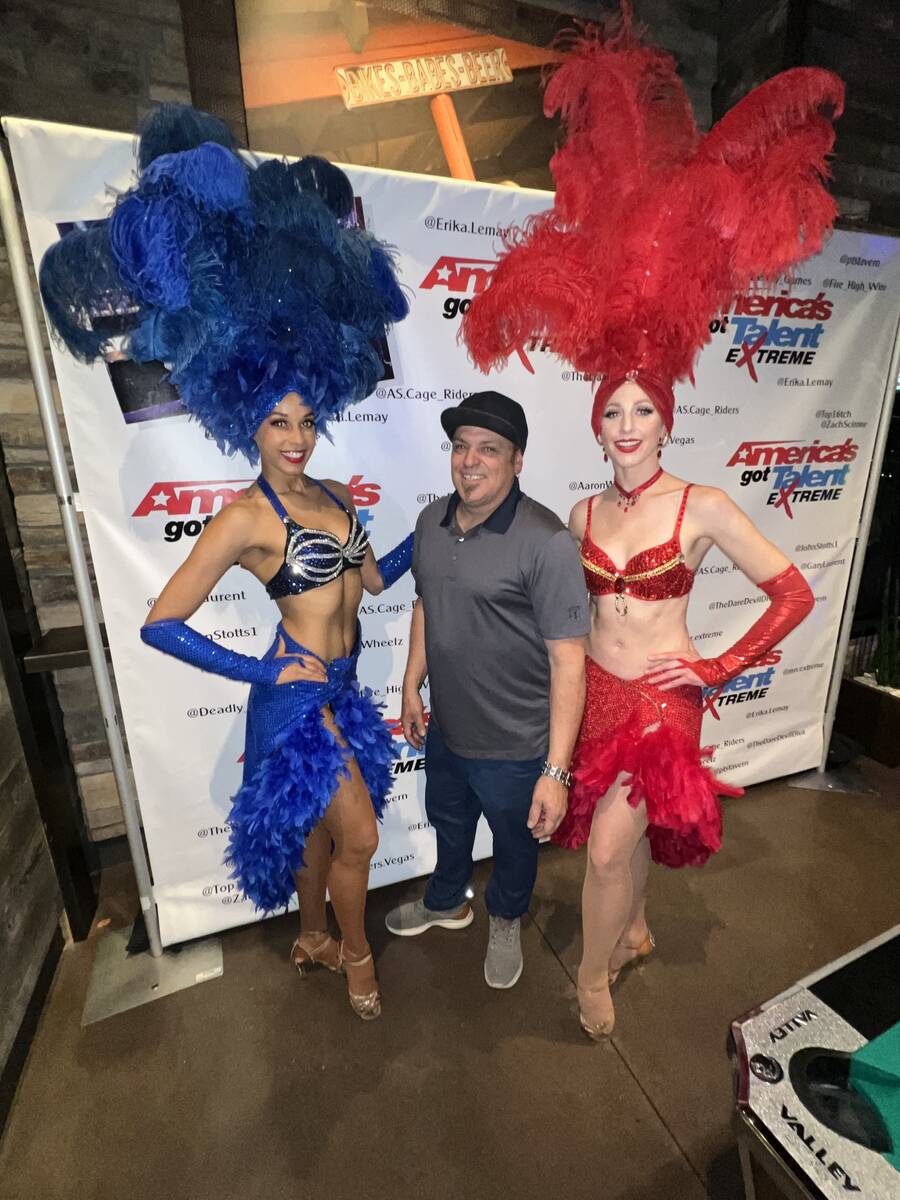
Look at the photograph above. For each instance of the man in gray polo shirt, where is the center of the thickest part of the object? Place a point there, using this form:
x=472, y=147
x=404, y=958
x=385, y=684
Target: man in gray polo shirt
x=498, y=628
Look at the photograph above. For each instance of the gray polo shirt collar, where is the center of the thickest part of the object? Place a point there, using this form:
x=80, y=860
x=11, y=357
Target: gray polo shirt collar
x=500, y=519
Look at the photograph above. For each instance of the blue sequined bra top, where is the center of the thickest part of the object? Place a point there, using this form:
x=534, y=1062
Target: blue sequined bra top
x=313, y=557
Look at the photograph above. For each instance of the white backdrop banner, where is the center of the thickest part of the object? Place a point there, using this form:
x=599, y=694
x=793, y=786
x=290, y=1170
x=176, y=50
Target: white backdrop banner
x=783, y=417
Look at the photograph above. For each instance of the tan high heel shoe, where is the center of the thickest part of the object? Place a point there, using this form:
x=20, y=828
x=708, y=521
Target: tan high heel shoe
x=597, y=1031
x=638, y=957
x=325, y=953
x=367, y=1007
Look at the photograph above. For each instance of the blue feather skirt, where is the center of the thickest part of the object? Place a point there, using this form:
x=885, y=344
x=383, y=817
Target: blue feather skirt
x=293, y=765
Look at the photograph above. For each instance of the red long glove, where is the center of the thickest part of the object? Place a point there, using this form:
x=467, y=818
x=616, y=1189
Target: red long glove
x=792, y=601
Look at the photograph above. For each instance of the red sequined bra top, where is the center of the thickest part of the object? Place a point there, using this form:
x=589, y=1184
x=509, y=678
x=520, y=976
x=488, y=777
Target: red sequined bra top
x=655, y=574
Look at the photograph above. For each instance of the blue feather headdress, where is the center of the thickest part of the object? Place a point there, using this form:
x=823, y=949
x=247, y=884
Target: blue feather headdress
x=246, y=281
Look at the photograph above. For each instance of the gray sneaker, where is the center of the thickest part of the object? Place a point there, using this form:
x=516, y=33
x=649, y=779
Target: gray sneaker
x=503, y=961
x=410, y=919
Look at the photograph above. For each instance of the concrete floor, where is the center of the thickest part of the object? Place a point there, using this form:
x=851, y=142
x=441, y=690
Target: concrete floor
x=260, y=1084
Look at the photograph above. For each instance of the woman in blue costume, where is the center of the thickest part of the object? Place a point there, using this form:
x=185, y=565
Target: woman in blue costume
x=252, y=285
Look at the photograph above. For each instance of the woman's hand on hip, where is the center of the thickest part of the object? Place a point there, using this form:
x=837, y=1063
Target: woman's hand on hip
x=300, y=668
x=670, y=670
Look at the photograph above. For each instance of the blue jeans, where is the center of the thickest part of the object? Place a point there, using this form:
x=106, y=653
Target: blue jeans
x=457, y=791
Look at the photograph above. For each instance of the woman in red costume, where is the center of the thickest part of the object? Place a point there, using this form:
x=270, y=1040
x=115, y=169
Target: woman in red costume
x=642, y=789
x=654, y=231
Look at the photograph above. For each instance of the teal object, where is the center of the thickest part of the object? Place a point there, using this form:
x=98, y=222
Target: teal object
x=875, y=1074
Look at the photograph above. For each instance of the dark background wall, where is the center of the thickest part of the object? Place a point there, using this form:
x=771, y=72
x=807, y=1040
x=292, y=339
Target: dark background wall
x=29, y=896
x=858, y=39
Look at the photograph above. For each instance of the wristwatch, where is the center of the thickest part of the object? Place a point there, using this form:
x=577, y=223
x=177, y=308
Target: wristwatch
x=560, y=774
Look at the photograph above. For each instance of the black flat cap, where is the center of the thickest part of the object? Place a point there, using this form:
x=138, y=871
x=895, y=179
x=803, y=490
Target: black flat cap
x=489, y=410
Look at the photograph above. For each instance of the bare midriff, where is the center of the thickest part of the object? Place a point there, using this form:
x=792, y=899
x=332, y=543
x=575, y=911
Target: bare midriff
x=324, y=620
x=621, y=643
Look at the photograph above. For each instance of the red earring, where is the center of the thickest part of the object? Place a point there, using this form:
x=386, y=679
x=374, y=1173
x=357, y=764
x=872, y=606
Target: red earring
x=605, y=456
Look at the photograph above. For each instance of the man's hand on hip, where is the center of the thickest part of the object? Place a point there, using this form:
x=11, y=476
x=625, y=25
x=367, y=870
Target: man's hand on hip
x=549, y=802
x=412, y=717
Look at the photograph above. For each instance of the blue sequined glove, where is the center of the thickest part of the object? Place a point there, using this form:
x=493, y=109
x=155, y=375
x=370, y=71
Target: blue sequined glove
x=179, y=640
x=396, y=562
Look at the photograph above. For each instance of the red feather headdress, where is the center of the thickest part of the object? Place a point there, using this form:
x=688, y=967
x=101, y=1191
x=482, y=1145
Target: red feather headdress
x=656, y=228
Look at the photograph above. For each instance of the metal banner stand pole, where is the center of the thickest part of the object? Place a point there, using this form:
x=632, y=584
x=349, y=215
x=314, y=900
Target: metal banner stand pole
x=117, y=994
x=848, y=779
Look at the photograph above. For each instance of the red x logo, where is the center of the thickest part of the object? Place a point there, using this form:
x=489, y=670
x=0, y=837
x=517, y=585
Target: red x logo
x=784, y=498
x=709, y=700
x=747, y=359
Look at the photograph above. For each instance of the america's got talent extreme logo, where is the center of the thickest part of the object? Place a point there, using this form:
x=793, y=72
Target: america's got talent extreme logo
x=795, y=472
x=782, y=330
x=182, y=508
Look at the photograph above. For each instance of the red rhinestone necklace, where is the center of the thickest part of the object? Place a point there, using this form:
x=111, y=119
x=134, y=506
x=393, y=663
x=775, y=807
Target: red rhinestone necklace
x=629, y=499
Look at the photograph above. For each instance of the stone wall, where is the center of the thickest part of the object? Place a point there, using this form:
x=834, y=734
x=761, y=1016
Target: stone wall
x=29, y=896
x=30, y=902
x=105, y=65
x=100, y=63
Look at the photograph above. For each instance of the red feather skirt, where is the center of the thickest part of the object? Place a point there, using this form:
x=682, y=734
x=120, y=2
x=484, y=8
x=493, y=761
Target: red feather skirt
x=653, y=737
